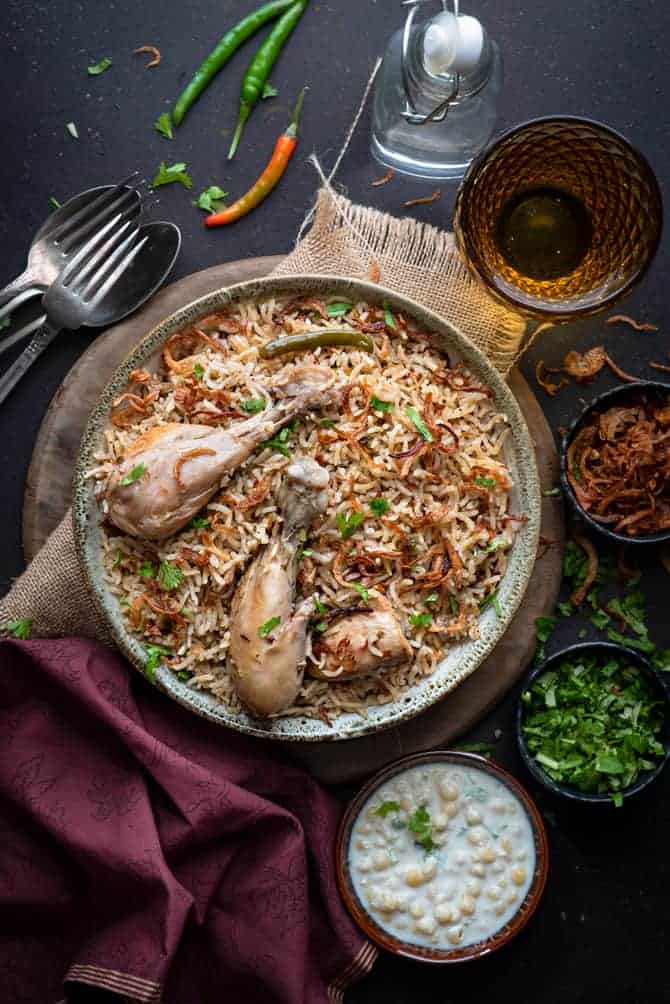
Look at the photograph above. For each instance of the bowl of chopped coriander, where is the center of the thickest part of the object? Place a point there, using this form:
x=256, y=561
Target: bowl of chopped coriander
x=593, y=723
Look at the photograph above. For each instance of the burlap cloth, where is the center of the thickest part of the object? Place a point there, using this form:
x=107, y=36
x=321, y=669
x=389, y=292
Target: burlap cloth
x=413, y=258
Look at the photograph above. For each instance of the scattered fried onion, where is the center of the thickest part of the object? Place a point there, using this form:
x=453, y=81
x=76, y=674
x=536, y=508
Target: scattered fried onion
x=625, y=319
x=424, y=200
x=151, y=50
x=202, y=451
x=304, y=304
x=625, y=571
x=579, y=594
x=551, y=388
x=585, y=365
x=258, y=494
x=660, y=366
x=185, y=365
x=619, y=372
x=389, y=176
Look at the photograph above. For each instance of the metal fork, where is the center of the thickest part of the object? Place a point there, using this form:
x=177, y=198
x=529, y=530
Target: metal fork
x=71, y=301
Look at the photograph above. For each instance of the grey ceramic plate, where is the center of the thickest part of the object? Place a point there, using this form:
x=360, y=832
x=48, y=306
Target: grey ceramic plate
x=463, y=658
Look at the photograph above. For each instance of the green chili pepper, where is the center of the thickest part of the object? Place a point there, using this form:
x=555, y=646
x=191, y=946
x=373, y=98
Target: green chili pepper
x=306, y=340
x=261, y=66
x=218, y=58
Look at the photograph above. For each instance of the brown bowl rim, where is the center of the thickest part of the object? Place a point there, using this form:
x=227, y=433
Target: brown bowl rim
x=425, y=953
x=548, y=314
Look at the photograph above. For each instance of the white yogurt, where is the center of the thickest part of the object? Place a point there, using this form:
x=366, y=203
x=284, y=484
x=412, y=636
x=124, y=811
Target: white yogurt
x=442, y=855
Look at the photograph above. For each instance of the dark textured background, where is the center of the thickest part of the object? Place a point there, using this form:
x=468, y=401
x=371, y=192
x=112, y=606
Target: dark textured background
x=602, y=928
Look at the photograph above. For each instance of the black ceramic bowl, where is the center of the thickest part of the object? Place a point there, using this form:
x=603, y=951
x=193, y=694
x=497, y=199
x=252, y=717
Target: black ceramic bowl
x=607, y=651
x=609, y=399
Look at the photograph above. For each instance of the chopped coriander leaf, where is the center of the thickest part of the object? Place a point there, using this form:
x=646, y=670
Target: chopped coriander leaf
x=491, y=601
x=134, y=475
x=550, y=492
x=327, y=423
x=117, y=560
x=54, y=203
x=321, y=627
x=211, y=200
x=269, y=91
x=169, y=175
x=453, y=605
x=379, y=405
x=419, y=423
x=593, y=724
x=163, y=125
x=146, y=570
x=154, y=653
x=582, y=634
x=361, y=590
x=565, y=609
x=199, y=523
x=544, y=627
x=661, y=660
x=379, y=506
x=642, y=644
x=169, y=576
x=72, y=129
x=198, y=371
x=265, y=629
x=495, y=544
x=20, y=627
x=433, y=598
x=617, y=798
x=320, y=607
x=600, y=619
x=184, y=675
x=388, y=317
x=252, y=405
x=278, y=443
x=484, y=482
x=306, y=552
x=421, y=620
x=485, y=748
x=420, y=825
x=631, y=610
x=100, y=67
x=349, y=522
x=386, y=807
x=338, y=309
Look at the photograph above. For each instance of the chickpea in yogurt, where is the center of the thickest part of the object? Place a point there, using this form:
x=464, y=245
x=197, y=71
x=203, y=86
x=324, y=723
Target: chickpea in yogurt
x=442, y=855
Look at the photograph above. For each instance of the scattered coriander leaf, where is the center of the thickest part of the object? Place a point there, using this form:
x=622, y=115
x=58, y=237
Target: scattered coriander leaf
x=54, y=204
x=388, y=317
x=306, y=552
x=544, y=627
x=211, y=200
x=184, y=675
x=169, y=576
x=163, y=125
x=642, y=644
x=661, y=660
x=419, y=423
x=198, y=371
x=378, y=507
x=600, y=619
x=154, y=653
x=321, y=626
x=386, y=807
x=20, y=627
x=582, y=634
x=491, y=601
x=320, y=607
x=349, y=522
x=269, y=91
x=117, y=560
x=327, y=423
x=550, y=492
x=485, y=748
x=146, y=570
x=97, y=68
x=361, y=590
x=134, y=475
x=169, y=175
x=379, y=405
x=433, y=598
x=453, y=605
x=421, y=620
x=72, y=129
x=496, y=543
x=565, y=609
x=420, y=825
x=338, y=309
x=265, y=629
x=484, y=482
x=253, y=405
x=199, y=523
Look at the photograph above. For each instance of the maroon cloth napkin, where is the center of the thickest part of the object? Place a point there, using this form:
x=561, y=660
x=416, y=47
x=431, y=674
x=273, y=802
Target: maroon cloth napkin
x=149, y=852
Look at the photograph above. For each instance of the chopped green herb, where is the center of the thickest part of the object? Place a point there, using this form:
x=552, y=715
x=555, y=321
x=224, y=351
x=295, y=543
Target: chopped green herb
x=98, y=68
x=379, y=506
x=20, y=627
x=661, y=660
x=169, y=175
x=253, y=405
x=154, y=653
x=184, y=675
x=361, y=590
x=386, y=807
x=306, y=552
x=593, y=724
x=321, y=626
x=72, y=129
x=421, y=620
x=550, y=492
x=565, y=609
x=163, y=125
x=327, y=423
x=198, y=371
x=453, y=605
x=146, y=570
x=169, y=576
x=544, y=627
x=388, y=317
x=420, y=825
x=485, y=748
x=484, y=482
x=212, y=200
x=269, y=91
x=642, y=644
x=600, y=619
x=199, y=523
x=278, y=444
x=53, y=203
x=582, y=634
x=496, y=543
x=433, y=598
x=379, y=405
x=631, y=610
x=320, y=607
x=117, y=560
x=338, y=309
x=491, y=601
x=576, y=472
x=134, y=475
x=265, y=629
x=419, y=423
x=349, y=522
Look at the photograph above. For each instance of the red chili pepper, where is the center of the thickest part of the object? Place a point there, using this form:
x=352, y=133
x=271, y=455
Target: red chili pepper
x=270, y=177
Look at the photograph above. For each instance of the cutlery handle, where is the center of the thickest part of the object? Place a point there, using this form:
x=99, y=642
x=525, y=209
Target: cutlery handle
x=38, y=343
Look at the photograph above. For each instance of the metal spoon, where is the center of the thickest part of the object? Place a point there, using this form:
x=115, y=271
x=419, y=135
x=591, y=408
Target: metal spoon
x=149, y=269
x=64, y=231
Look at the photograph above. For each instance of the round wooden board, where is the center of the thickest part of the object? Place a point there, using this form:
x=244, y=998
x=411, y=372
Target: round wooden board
x=47, y=497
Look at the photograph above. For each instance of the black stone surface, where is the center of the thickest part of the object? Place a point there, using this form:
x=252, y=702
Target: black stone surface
x=601, y=931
